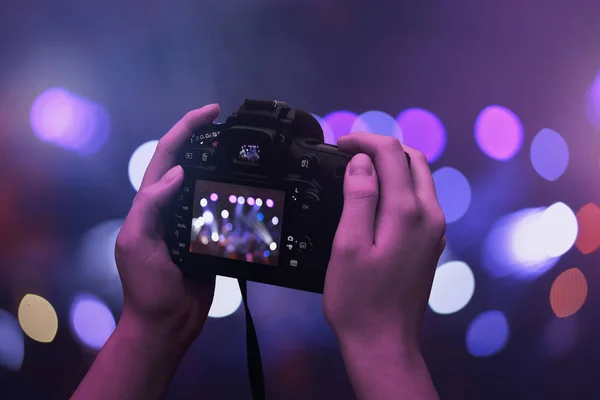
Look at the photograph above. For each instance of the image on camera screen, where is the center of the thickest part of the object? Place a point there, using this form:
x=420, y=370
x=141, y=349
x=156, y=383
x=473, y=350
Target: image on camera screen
x=237, y=222
x=250, y=153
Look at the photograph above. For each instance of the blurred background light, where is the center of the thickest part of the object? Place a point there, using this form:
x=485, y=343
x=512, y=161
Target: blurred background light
x=38, y=318
x=487, y=334
x=377, y=122
x=92, y=322
x=568, y=292
x=527, y=243
x=12, y=344
x=559, y=336
x=549, y=154
x=328, y=136
x=139, y=161
x=69, y=121
x=453, y=191
x=499, y=132
x=452, y=288
x=588, y=222
x=227, y=298
x=593, y=101
x=422, y=130
x=340, y=123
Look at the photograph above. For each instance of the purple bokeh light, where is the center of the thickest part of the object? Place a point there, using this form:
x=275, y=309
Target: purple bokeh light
x=499, y=132
x=423, y=131
x=270, y=203
x=232, y=199
x=214, y=197
x=12, y=343
x=549, y=154
x=340, y=123
x=377, y=122
x=91, y=321
x=593, y=101
x=454, y=193
x=250, y=201
x=69, y=121
x=328, y=135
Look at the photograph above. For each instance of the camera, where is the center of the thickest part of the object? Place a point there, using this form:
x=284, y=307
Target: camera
x=261, y=199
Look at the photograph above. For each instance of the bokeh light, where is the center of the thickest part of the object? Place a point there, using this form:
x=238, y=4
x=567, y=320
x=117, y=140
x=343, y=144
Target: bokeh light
x=328, y=136
x=340, y=123
x=588, y=222
x=138, y=163
x=12, y=343
x=92, y=322
x=558, y=229
x=453, y=191
x=487, y=334
x=422, y=130
x=499, y=132
x=38, y=318
x=559, y=336
x=377, y=122
x=69, y=121
x=452, y=288
x=227, y=298
x=549, y=154
x=593, y=101
x=568, y=292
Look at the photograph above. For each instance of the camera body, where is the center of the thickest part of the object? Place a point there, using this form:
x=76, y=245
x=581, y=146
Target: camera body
x=261, y=199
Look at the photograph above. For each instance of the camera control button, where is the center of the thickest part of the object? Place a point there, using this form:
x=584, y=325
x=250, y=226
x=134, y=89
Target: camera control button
x=308, y=164
x=304, y=244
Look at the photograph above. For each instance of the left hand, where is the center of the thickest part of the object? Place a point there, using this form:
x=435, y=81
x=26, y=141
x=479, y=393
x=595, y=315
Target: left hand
x=158, y=299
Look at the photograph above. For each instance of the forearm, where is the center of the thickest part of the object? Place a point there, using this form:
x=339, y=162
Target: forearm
x=386, y=371
x=133, y=364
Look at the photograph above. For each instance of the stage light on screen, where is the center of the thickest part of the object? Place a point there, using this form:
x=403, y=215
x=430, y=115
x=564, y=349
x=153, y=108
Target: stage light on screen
x=549, y=154
x=377, y=122
x=232, y=199
x=588, y=235
x=260, y=216
x=91, y=321
x=568, y=293
x=227, y=297
x=214, y=236
x=38, y=318
x=453, y=191
x=208, y=217
x=340, y=122
x=558, y=229
x=12, y=343
x=328, y=136
x=214, y=197
x=422, y=130
x=499, y=132
x=259, y=202
x=453, y=287
x=515, y=246
x=250, y=201
x=273, y=246
x=487, y=334
x=593, y=101
x=274, y=220
x=224, y=214
x=138, y=163
x=270, y=203
x=241, y=200
x=203, y=203
x=69, y=121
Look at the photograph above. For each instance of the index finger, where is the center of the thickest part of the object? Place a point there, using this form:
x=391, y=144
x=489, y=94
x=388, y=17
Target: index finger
x=165, y=156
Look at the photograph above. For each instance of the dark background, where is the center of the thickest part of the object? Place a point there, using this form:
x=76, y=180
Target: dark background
x=148, y=62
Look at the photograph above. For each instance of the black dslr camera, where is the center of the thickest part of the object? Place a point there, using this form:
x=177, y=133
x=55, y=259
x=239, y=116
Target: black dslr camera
x=261, y=199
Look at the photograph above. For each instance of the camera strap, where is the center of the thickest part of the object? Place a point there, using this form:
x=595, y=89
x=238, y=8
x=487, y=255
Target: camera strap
x=255, y=371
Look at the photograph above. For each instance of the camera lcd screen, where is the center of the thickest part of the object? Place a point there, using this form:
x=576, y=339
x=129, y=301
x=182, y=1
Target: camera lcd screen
x=237, y=222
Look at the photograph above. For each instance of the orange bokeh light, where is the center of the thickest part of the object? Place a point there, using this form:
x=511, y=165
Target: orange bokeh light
x=588, y=237
x=568, y=293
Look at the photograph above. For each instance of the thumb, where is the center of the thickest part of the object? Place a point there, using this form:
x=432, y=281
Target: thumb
x=149, y=202
x=361, y=194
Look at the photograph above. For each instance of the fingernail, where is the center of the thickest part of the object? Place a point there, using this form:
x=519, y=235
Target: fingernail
x=172, y=173
x=361, y=165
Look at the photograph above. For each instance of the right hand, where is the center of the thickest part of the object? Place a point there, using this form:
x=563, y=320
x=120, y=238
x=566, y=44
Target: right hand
x=388, y=242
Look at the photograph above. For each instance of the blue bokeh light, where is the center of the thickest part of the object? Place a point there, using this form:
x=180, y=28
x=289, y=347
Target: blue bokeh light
x=377, y=122
x=549, y=154
x=260, y=216
x=487, y=334
x=453, y=191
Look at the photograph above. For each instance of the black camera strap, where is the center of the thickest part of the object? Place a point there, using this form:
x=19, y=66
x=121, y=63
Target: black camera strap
x=255, y=371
